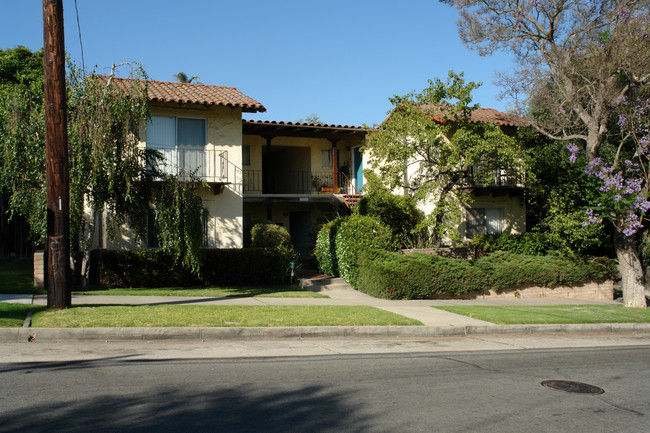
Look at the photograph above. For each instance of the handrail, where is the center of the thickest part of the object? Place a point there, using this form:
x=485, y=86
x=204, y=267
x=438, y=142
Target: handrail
x=208, y=165
x=347, y=184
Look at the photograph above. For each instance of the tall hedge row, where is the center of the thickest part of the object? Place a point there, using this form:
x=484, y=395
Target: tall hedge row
x=155, y=268
x=419, y=276
x=339, y=243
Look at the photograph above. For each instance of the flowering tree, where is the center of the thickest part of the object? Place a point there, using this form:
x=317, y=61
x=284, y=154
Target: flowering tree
x=623, y=187
x=579, y=63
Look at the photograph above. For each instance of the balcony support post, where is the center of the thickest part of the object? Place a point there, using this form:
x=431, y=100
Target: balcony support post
x=335, y=166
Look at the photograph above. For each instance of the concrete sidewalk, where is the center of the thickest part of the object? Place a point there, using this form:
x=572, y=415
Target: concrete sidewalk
x=436, y=322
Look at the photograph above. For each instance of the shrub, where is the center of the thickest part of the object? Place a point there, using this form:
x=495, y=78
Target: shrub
x=277, y=239
x=142, y=268
x=398, y=212
x=419, y=276
x=416, y=276
x=530, y=243
x=155, y=268
x=270, y=235
x=325, y=249
x=355, y=234
x=505, y=269
x=247, y=266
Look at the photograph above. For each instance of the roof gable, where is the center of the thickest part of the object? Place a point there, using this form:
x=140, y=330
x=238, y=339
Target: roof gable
x=194, y=93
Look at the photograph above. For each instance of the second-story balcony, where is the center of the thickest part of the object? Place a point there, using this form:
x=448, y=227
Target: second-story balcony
x=207, y=165
x=294, y=182
x=210, y=166
x=480, y=177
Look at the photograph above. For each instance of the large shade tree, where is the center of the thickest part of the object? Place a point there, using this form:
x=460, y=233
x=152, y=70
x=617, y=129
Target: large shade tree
x=581, y=63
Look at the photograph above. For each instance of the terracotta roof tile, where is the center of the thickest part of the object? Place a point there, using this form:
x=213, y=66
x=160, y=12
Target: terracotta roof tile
x=498, y=117
x=485, y=115
x=316, y=125
x=196, y=93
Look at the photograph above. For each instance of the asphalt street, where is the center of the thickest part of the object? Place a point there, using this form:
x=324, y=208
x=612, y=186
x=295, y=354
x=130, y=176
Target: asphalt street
x=434, y=389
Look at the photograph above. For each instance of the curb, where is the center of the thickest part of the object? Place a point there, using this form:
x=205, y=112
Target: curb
x=17, y=335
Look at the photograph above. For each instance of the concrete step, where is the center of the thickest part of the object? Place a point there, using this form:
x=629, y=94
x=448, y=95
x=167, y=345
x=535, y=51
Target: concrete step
x=319, y=284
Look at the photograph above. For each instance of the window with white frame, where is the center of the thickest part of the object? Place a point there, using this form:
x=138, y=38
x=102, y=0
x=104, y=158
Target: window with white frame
x=481, y=221
x=181, y=140
x=165, y=132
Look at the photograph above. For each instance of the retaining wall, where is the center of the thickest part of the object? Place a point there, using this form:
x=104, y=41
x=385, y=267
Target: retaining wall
x=591, y=290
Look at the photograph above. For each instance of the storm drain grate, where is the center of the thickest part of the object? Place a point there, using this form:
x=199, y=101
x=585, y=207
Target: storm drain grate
x=572, y=387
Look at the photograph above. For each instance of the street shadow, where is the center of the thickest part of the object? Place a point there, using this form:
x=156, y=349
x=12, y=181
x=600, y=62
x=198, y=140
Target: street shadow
x=247, y=408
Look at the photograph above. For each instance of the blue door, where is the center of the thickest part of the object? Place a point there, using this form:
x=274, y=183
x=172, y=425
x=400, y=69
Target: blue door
x=358, y=168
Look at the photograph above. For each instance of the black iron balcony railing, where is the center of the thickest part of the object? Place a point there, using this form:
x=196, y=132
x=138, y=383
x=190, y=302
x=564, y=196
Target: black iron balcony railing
x=208, y=165
x=293, y=182
x=495, y=178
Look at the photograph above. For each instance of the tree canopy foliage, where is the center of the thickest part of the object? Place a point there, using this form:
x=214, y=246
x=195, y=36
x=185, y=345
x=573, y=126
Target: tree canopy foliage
x=110, y=173
x=575, y=58
x=20, y=65
x=429, y=146
x=582, y=64
x=182, y=77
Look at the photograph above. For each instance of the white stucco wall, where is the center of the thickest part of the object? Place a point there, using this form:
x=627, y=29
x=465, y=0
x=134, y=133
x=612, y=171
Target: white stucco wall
x=514, y=208
x=223, y=132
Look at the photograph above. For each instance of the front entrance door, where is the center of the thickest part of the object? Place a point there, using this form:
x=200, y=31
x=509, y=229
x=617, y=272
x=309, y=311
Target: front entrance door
x=300, y=231
x=358, y=168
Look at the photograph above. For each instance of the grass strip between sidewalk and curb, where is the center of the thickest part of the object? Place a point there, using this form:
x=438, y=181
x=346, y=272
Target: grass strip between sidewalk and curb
x=216, y=316
x=212, y=292
x=13, y=315
x=552, y=314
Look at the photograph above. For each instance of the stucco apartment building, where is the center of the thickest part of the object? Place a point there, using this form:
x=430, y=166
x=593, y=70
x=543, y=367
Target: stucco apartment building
x=294, y=174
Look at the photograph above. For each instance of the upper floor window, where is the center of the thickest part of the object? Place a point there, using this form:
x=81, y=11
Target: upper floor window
x=164, y=132
x=246, y=155
x=326, y=158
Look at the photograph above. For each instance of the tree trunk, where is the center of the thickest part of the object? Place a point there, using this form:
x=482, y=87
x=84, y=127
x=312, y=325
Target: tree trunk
x=631, y=270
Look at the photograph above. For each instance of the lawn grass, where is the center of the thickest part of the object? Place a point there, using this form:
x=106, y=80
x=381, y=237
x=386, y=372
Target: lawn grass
x=213, y=292
x=16, y=276
x=13, y=315
x=217, y=316
x=553, y=314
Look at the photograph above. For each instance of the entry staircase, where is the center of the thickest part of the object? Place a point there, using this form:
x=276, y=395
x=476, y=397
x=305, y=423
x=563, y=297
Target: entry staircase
x=351, y=200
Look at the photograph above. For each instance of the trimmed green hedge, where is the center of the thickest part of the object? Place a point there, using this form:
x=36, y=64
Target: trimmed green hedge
x=221, y=267
x=419, y=276
x=531, y=243
x=325, y=250
x=276, y=239
x=340, y=241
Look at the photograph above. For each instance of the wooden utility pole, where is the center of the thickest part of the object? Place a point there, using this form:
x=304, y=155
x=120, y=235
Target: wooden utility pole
x=56, y=149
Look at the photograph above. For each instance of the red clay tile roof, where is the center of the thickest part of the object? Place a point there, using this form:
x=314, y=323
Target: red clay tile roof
x=489, y=115
x=298, y=129
x=196, y=93
x=317, y=125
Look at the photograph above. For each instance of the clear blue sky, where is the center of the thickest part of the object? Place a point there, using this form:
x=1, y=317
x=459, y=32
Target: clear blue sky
x=339, y=59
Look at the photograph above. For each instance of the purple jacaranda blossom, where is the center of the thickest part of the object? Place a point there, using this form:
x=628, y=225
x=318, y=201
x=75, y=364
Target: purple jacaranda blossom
x=631, y=224
x=574, y=149
x=592, y=218
x=641, y=203
x=633, y=185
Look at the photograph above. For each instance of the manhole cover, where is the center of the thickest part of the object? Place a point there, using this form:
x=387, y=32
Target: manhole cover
x=573, y=387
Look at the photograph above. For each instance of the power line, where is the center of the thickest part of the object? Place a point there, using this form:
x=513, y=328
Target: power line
x=83, y=64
